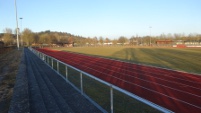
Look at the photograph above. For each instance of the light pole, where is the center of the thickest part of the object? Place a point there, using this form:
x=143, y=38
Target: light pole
x=150, y=34
x=17, y=25
x=21, y=32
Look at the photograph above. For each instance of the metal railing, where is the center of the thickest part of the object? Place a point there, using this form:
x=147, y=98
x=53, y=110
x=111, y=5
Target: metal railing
x=50, y=61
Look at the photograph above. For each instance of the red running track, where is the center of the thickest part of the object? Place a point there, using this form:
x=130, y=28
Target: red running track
x=177, y=91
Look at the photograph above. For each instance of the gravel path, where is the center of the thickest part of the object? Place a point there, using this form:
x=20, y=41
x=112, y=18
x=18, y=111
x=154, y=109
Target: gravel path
x=45, y=91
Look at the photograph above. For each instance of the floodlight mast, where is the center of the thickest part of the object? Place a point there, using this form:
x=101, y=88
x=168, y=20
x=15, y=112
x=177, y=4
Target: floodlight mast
x=17, y=26
x=150, y=35
x=21, y=32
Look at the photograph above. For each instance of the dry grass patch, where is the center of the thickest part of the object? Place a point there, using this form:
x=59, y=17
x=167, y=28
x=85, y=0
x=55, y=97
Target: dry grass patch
x=9, y=67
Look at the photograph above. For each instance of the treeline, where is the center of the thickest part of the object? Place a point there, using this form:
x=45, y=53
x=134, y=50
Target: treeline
x=28, y=38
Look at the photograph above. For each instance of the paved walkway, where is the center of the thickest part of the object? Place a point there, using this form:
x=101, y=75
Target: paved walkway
x=39, y=89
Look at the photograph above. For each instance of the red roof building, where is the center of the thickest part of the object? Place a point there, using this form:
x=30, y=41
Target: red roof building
x=164, y=42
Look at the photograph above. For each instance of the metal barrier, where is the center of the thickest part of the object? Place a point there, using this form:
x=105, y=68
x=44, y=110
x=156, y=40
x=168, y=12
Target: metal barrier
x=47, y=60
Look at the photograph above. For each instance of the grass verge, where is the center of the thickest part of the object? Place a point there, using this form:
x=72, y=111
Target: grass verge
x=9, y=67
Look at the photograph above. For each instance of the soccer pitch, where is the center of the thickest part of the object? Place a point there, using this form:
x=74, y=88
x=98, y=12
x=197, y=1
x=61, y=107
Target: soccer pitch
x=182, y=59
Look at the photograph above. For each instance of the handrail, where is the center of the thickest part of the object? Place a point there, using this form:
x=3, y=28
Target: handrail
x=158, y=107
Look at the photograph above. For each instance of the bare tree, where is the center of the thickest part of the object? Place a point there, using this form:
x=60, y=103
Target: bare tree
x=44, y=39
x=122, y=39
x=28, y=36
x=114, y=41
x=8, y=36
x=101, y=40
x=70, y=39
x=95, y=40
x=107, y=40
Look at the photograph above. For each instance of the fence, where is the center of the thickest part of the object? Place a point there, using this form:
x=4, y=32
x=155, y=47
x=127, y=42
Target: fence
x=56, y=65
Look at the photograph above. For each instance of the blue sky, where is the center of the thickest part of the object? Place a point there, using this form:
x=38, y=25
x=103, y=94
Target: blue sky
x=106, y=18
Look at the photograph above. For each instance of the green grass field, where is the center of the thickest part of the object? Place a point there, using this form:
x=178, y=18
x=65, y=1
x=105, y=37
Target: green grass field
x=182, y=59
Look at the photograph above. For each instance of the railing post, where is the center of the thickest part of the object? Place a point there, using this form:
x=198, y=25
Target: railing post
x=66, y=72
x=48, y=60
x=57, y=66
x=44, y=58
x=52, y=63
x=81, y=83
x=111, y=98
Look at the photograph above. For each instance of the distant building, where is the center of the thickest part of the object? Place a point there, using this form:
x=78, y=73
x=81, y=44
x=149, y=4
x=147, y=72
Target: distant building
x=109, y=43
x=64, y=44
x=192, y=43
x=164, y=42
x=186, y=43
x=134, y=41
x=178, y=42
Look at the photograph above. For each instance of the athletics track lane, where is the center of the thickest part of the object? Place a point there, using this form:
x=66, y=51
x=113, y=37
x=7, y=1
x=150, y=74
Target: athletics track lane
x=177, y=91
